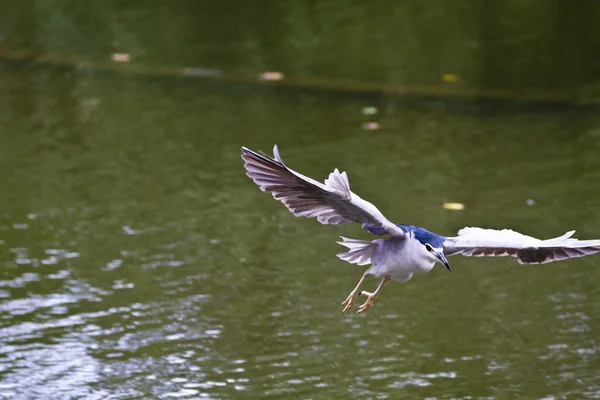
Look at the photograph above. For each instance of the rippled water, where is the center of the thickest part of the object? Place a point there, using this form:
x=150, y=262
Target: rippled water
x=138, y=261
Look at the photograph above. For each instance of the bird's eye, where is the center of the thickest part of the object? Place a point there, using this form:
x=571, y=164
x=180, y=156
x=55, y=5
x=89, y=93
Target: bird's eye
x=428, y=247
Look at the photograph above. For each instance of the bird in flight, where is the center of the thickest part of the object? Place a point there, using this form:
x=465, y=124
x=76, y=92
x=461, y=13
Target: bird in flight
x=407, y=249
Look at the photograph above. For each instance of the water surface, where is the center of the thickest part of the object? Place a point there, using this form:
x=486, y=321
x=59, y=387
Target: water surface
x=138, y=261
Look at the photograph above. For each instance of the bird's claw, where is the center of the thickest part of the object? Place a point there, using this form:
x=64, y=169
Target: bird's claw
x=368, y=303
x=349, y=302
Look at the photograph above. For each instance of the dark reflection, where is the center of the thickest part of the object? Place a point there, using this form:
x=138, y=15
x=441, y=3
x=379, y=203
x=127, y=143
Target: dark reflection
x=138, y=261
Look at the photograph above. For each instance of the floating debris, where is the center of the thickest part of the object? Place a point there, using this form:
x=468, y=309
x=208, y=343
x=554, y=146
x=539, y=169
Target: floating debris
x=370, y=110
x=450, y=78
x=271, y=76
x=120, y=57
x=530, y=202
x=371, y=126
x=454, y=206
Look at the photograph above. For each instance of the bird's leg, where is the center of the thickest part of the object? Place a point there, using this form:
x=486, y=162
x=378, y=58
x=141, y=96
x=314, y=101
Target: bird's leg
x=371, y=297
x=353, y=294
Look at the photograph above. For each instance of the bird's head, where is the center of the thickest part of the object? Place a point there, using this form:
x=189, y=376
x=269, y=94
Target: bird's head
x=438, y=255
x=433, y=243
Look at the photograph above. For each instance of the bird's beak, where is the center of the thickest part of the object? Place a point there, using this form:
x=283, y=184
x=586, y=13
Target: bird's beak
x=440, y=256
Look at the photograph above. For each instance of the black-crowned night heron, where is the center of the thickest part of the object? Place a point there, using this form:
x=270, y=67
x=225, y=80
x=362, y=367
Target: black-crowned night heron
x=408, y=249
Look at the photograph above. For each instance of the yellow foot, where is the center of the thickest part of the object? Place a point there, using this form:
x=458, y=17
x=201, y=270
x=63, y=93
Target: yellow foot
x=349, y=301
x=367, y=304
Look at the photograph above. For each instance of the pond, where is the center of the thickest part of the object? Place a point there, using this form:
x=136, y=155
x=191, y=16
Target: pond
x=138, y=261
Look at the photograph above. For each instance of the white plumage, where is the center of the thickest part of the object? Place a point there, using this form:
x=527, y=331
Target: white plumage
x=331, y=203
x=479, y=242
x=360, y=250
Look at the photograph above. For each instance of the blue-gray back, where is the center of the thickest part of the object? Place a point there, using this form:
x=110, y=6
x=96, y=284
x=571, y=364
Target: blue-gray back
x=423, y=235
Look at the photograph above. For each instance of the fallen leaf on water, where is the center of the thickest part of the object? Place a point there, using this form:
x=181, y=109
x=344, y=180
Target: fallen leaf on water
x=369, y=110
x=120, y=57
x=271, y=76
x=454, y=206
x=371, y=126
x=450, y=78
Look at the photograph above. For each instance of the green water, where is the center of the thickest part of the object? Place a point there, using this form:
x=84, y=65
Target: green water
x=138, y=261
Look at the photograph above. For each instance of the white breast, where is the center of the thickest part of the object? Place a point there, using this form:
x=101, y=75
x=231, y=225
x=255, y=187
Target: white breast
x=396, y=256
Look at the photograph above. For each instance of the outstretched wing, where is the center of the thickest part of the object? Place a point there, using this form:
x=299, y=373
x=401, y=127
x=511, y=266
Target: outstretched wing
x=478, y=242
x=331, y=203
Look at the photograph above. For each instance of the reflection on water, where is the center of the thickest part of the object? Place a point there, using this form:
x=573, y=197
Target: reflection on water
x=138, y=261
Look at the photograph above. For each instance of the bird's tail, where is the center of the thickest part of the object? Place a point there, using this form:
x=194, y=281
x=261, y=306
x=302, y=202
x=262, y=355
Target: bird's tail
x=360, y=250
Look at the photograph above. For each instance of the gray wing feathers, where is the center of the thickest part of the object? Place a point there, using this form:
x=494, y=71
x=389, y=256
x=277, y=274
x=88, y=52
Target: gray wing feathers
x=360, y=252
x=331, y=202
x=478, y=242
